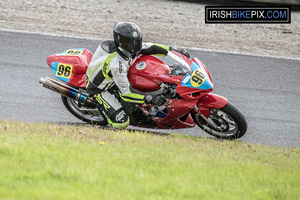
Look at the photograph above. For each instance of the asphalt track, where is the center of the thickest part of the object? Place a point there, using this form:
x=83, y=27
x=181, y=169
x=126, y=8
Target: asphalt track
x=266, y=90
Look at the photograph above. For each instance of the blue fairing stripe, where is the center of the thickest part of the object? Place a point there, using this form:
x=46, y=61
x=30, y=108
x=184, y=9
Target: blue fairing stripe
x=186, y=81
x=54, y=66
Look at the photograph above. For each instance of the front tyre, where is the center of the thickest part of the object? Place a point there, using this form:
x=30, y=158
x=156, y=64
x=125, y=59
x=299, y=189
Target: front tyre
x=225, y=123
x=87, y=114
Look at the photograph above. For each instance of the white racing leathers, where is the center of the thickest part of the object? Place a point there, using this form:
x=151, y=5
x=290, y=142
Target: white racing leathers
x=107, y=72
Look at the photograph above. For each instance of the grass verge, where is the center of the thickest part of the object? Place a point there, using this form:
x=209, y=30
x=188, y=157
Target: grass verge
x=43, y=161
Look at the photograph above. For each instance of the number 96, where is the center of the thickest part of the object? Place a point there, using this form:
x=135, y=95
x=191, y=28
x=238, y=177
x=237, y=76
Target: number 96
x=198, y=77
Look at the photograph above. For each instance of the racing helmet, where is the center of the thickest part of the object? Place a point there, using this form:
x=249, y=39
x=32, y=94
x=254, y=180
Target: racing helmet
x=128, y=38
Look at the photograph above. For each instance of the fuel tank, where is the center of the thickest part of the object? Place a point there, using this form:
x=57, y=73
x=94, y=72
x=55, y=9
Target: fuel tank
x=142, y=74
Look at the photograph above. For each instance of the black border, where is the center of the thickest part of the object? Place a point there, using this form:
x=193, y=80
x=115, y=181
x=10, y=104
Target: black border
x=247, y=21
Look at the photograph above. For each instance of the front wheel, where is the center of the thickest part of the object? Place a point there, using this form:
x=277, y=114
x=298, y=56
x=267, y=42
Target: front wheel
x=87, y=114
x=225, y=123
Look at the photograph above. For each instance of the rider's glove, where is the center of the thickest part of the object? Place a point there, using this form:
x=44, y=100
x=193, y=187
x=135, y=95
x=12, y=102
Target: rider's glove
x=182, y=51
x=155, y=99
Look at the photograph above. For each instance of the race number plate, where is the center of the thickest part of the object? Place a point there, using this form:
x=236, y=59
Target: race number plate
x=64, y=70
x=197, y=78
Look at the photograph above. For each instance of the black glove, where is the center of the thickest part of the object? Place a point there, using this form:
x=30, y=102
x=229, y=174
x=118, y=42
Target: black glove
x=182, y=51
x=155, y=99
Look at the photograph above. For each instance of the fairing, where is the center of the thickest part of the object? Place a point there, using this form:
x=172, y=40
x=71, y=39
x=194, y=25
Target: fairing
x=147, y=73
x=70, y=66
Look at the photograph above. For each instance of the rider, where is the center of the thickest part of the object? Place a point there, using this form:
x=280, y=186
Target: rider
x=107, y=78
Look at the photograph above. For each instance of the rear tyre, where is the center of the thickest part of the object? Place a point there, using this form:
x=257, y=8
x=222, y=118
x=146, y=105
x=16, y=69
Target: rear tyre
x=90, y=115
x=225, y=123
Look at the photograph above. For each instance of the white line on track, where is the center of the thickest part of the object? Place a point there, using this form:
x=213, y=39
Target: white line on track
x=192, y=48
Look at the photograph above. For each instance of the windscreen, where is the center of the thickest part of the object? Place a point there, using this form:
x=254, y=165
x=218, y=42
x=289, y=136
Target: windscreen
x=178, y=65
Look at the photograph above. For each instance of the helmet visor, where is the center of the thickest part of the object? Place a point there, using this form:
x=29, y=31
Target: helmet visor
x=137, y=44
x=133, y=46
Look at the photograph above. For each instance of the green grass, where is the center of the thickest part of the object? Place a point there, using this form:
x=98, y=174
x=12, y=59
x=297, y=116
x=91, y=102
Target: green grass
x=43, y=161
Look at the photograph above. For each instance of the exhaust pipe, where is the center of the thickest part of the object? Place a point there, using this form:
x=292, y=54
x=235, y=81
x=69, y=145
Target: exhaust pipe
x=67, y=91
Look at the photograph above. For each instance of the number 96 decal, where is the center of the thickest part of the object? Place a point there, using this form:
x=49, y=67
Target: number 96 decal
x=64, y=70
x=74, y=52
x=198, y=78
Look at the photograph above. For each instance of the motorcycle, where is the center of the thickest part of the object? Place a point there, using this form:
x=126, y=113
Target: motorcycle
x=186, y=85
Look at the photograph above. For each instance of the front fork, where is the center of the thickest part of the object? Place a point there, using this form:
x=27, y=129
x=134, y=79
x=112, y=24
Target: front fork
x=206, y=105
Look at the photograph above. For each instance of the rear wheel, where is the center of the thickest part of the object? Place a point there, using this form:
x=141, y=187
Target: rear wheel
x=90, y=115
x=225, y=123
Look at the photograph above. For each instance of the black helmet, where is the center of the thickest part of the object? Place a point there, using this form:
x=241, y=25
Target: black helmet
x=128, y=37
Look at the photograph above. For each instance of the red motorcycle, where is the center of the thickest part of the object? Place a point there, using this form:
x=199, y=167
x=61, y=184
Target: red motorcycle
x=187, y=87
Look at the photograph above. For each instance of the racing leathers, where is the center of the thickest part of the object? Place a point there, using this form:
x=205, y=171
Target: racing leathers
x=107, y=74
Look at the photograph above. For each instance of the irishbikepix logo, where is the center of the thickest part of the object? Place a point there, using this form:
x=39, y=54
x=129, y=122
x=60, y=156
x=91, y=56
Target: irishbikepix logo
x=224, y=14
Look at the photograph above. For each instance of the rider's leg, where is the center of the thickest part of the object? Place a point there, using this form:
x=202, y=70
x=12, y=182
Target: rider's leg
x=112, y=109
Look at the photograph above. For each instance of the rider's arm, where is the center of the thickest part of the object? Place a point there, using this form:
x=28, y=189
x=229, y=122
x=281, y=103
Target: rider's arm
x=119, y=73
x=127, y=93
x=164, y=52
x=150, y=49
x=154, y=49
